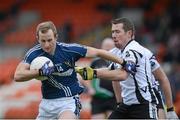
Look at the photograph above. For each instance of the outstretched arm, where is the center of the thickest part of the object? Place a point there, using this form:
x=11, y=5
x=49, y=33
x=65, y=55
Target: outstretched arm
x=113, y=75
x=93, y=52
x=88, y=73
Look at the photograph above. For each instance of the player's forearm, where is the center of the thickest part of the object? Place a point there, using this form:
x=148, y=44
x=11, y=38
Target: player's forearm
x=93, y=52
x=117, y=75
x=108, y=56
x=167, y=93
x=117, y=91
x=25, y=75
x=165, y=85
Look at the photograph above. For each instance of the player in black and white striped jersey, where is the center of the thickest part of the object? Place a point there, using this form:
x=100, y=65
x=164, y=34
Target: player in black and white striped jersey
x=137, y=88
x=155, y=84
x=138, y=97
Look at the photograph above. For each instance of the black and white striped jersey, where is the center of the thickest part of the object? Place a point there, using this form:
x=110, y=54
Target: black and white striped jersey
x=154, y=65
x=136, y=88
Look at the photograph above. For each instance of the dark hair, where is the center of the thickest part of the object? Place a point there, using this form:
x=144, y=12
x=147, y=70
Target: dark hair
x=127, y=24
x=45, y=26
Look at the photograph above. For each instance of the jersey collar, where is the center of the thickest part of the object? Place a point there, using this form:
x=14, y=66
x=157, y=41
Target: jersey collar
x=127, y=45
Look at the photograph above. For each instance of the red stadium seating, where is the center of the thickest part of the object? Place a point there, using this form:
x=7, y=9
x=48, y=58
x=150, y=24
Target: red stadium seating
x=83, y=15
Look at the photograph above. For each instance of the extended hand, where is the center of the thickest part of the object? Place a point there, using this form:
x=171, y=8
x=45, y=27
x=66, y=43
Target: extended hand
x=87, y=73
x=46, y=70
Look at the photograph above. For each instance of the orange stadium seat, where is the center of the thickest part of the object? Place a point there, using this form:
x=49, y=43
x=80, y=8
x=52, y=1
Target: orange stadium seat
x=25, y=36
x=83, y=15
x=7, y=68
x=28, y=112
x=28, y=98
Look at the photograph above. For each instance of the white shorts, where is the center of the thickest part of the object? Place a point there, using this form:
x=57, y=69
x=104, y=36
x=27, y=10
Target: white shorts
x=52, y=108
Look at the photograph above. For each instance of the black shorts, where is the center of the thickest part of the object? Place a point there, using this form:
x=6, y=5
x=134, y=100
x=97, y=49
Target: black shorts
x=102, y=105
x=136, y=111
x=159, y=97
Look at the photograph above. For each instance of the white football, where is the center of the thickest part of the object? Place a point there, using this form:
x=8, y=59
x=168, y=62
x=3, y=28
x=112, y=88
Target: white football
x=38, y=62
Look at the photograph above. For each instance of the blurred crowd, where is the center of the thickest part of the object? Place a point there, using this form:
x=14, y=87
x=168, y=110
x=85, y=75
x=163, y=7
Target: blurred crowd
x=157, y=28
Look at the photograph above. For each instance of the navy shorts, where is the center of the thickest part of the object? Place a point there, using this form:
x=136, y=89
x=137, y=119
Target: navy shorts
x=102, y=105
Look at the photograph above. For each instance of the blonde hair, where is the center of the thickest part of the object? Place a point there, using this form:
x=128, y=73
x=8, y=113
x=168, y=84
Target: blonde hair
x=45, y=26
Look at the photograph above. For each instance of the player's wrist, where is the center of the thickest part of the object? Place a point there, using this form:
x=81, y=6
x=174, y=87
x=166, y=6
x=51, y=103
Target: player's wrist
x=118, y=104
x=170, y=109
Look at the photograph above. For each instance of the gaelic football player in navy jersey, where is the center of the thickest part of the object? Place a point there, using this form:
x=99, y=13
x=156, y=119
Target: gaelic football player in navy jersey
x=60, y=91
x=138, y=98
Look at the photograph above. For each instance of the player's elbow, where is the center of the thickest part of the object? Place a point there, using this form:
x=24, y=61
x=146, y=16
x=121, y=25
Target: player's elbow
x=125, y=75
x=122, y=75
x=18, y=78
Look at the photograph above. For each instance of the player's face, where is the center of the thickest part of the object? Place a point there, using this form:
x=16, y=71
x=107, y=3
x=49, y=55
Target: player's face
x=119, y=36
x=47, y=41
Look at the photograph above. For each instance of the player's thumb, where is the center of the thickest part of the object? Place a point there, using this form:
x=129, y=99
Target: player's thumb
x=47, y=62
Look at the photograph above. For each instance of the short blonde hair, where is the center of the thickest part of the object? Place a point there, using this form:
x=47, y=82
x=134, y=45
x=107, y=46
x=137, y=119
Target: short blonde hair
x=45, y=26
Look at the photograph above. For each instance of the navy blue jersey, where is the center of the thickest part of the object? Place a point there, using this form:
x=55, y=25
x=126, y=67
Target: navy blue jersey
x=65, y=83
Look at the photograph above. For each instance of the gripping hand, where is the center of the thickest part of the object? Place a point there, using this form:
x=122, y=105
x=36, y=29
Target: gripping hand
x=87, y=73
x=129, y=66
x=46, y=70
